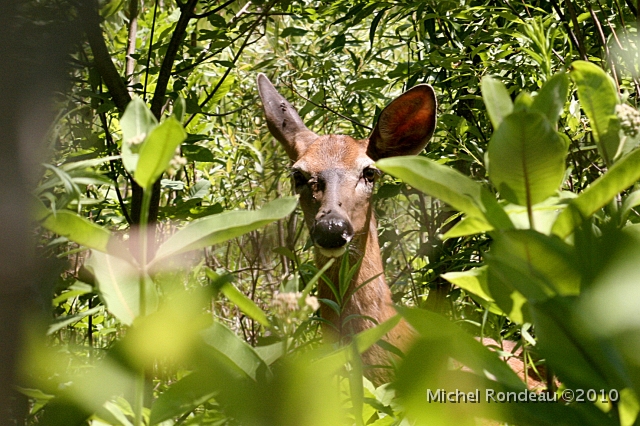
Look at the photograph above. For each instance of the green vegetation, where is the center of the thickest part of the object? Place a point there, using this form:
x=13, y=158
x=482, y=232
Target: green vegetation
x=517, y=223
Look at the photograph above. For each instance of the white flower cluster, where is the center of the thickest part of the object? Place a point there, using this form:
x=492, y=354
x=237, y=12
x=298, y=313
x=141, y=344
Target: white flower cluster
x=629, y=119
x=290, y=302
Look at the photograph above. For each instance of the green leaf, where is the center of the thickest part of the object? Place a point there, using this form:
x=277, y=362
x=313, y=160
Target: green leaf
x=179, y=108
x=79, y=230
x=183, y=396
x=222, y=227
x=450, y=186
x=526, y=158
x=474, y=281
x=233, y=351
x=464, y=348
x=630, y=202
x=438, y=181
x=467, y=226
x=118, y=283
x=552, y=97
x=598, y=96
x=200, y=189
x=497, y=100
x=624, y=173
x=197, y=153
x=222, y=91
x=137, y=122
x=246, y=305
x=365, y=339
x=157, y=150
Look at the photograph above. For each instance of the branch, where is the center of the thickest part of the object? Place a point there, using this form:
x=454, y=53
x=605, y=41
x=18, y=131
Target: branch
x=357, y=123
x=167, y=63
x=235, y=58
x=131, y=40
x=211, y=12
x=101, y=56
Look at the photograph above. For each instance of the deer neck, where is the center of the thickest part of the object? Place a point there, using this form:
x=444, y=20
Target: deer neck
x=369, y=304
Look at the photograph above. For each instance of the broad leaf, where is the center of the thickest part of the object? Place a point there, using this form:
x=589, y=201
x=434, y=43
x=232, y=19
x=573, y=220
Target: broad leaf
x=365, y=339
x=79, y=230
x=438, y=181
x=496, y=99
x=463, y=347
x=552, y=97
x=526, y=158
x=222, y=227
x=157, y=150
x=598, y=97
x=137, y=122
x=624, y=173
x=118, y=283
x=246, y=305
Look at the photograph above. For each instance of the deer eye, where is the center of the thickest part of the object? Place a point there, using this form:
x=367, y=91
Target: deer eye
x=299, y=178
x=370, y=173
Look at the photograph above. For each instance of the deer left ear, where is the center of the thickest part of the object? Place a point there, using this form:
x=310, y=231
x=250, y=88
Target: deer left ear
x=405, y=125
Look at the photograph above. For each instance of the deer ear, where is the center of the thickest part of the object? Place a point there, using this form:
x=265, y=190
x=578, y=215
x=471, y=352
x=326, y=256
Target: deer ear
x=283, y=121
x=405, y=125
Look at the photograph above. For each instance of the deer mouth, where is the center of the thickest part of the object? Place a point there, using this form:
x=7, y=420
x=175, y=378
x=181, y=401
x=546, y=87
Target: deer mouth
x=336, y=252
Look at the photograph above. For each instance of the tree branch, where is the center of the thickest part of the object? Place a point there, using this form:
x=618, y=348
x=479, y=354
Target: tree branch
x=101, y=56
x=169, y=58
x=264, y=13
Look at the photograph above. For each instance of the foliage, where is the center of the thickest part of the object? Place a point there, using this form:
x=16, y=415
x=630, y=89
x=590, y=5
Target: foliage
x=529, y=232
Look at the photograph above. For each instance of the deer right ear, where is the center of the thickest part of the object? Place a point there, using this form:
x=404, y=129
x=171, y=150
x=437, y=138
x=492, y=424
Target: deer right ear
x=283, y=121
x=405, y=125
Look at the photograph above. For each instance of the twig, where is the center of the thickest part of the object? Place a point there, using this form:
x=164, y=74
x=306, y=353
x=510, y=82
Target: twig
x=101, y=56
x=131, y=40
x=211, y=12
x=234, y=60
x=146, y=70
x=567, y=27
x=576, y=26
x=329, y=109
x=170, y=56
x=603, y=40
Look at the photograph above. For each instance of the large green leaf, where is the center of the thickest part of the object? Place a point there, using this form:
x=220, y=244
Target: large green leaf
x=79, y=230
x=598, y=97
x=465, y=348
x=118, y=283
x=157, y=150
x=496, y=99
x=526, y=158
x=624, y=173
x=246, y=305
x=137, y=122
x=552, y=97
x=436, y=180
x=233, y=351
x=222, y=227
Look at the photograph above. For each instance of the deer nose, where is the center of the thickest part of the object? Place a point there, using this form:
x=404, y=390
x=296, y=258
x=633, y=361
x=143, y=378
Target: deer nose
x=332, y=232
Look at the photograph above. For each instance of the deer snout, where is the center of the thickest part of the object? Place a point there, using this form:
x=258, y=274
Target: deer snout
x=331, y=234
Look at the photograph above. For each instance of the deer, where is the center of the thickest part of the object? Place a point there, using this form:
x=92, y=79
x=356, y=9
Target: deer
x=334, y=176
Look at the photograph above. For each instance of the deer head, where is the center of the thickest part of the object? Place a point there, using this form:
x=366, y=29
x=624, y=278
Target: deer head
x=335, y=174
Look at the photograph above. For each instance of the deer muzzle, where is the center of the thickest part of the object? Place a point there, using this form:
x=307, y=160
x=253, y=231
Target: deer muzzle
x=331, y=234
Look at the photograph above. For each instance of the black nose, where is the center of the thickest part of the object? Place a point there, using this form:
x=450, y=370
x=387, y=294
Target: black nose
x=332, y=232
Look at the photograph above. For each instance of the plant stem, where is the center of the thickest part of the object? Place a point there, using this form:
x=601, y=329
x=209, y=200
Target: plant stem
x=143, y=242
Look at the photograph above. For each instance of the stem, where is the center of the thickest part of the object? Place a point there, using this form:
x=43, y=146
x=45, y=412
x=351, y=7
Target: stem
x=144, y=243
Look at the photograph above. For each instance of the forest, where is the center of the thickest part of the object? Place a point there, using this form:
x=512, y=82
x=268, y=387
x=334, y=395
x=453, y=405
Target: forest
x=156, y=262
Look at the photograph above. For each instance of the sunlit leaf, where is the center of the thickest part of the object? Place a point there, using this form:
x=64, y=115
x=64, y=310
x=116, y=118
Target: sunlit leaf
x=497, y=100
x=526, y=158
x=157, y=150
x=598, y=96
x=224, y=226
